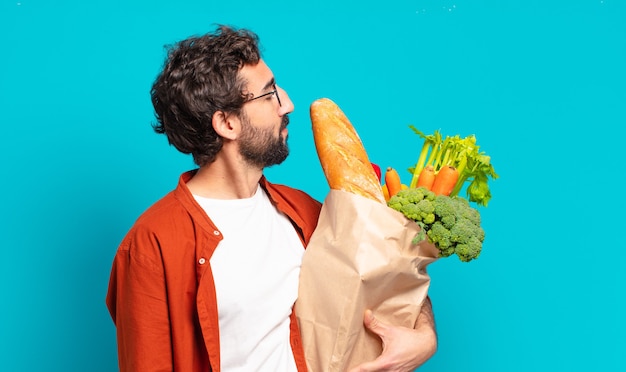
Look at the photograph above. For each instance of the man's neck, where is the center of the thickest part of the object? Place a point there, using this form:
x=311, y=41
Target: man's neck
x=225, y=179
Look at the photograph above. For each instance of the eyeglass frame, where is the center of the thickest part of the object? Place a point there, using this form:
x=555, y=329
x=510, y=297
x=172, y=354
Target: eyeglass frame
x=275, y=92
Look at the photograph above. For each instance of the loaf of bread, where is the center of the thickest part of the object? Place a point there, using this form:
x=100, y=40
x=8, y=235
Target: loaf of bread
x=341, y=152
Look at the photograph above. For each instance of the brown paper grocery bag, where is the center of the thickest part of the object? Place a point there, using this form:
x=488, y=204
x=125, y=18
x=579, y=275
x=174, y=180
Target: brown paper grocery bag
x=360, y=257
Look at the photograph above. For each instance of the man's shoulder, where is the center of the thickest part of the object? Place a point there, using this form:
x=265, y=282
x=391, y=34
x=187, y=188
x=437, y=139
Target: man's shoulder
x=161, y=210
x=161, y=222
x=169, y=207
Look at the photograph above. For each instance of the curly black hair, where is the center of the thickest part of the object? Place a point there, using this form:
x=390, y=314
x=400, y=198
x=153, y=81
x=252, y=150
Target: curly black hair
x=199, y=78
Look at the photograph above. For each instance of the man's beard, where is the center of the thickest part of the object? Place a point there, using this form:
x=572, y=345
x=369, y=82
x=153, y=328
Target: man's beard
x=260, y=147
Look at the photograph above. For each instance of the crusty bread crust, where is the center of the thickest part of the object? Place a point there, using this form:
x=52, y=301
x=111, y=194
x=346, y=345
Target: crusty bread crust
x=341, y=152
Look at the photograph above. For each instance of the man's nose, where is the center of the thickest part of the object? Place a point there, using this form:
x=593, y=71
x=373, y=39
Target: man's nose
x=286, y=106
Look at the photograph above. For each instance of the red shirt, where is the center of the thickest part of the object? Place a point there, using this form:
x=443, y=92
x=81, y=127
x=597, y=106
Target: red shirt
x=161, y=293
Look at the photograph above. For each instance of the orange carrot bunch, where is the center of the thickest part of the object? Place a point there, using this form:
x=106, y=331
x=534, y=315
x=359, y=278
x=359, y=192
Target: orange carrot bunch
x=392, y=181
x=445, y=165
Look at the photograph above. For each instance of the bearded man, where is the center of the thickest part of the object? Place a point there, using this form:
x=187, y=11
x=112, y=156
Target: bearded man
x=207, y=277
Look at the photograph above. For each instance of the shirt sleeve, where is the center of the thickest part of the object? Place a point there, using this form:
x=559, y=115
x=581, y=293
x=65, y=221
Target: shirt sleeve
x=137, y=302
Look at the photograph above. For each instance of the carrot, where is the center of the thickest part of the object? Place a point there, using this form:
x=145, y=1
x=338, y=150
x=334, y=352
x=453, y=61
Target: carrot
x=426, y=177
x=392, y=180
x=445, y=180
x=385, y=192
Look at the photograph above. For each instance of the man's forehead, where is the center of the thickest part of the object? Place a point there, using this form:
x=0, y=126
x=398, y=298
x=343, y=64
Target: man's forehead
x=258, y=75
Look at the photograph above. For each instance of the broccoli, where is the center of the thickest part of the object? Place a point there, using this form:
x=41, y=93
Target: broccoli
x=416, y=204
x=422, y=211
x=464, y=229
x=411, y=196
x=464, y=210
x=469, y=250
x=445, y=210
x=440, y=236
x=450, y=223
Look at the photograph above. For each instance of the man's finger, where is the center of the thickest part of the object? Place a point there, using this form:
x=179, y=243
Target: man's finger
x=373, y=324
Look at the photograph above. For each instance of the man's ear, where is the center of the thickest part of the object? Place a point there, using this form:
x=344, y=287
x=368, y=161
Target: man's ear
x=226, y=125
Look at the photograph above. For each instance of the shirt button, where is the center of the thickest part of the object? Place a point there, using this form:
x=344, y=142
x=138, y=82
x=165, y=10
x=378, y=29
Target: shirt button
x=216, y=232
x=201, y=261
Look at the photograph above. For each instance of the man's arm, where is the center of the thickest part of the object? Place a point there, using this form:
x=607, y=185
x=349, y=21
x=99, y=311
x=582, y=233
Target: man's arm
x=136, y=302
x=427, y=318
x=404, y=349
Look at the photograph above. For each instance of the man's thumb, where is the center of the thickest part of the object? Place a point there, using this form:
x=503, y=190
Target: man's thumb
x=372, y=323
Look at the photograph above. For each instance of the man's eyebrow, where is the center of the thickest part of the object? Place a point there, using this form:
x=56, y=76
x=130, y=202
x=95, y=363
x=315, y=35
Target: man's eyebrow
x=269, y=84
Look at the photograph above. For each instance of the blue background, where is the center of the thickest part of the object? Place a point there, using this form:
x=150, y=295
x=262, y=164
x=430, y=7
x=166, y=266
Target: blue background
x=542, y=84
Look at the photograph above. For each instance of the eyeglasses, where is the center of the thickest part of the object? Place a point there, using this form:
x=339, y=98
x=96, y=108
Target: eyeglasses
x=274, y=92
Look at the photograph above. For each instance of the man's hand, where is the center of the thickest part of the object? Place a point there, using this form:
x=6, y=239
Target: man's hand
x=404, y=349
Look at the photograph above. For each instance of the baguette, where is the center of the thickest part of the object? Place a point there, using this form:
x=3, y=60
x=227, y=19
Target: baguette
x=341, y=152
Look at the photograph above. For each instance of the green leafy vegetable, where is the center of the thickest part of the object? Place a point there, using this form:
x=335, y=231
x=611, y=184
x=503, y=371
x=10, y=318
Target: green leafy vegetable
x=474, y=166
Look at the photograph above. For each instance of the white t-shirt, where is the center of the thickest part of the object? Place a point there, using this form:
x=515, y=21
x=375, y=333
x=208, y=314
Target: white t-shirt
x=256, y=268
